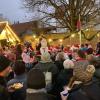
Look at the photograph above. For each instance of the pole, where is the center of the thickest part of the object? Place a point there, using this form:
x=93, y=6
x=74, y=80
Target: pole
x=70, y=39
x=80, y=37
x=79, y=28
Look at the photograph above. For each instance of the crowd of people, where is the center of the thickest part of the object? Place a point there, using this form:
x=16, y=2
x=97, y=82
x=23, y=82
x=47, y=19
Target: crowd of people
x=50, y=73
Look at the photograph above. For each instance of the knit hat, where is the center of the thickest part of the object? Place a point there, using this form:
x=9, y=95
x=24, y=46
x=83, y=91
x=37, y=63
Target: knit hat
x=68, y=64
x=35, y=79
x=84, y=74
x=4, y=63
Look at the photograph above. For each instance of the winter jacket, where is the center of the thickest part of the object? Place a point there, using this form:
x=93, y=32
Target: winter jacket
x=88, y=91
x=62, y=80
x=18, y=94
x=59, y=65
x=39, y=96
x=3, y=89
x=97, y=73
x=48, y=67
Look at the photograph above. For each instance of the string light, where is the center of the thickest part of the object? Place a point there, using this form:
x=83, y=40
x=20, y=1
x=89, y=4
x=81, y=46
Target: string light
x=34, y=36
x=73, y=35
x=50, y=40
x=98, y=35
x=60, y=40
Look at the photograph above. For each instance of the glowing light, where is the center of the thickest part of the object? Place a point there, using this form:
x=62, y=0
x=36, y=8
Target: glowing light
x=3, y=35
x=8, y=33
x=34, y=36
x=60, y=40
x=98, y=35
x=7, y=40
x=73, y=35
x=36, y=39
x=50, y=40
x=87, y=29
x=11, y=40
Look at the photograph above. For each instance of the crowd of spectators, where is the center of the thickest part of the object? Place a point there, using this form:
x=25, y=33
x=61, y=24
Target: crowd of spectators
x=68, y=73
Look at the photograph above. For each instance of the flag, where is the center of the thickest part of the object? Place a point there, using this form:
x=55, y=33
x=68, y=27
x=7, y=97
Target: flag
x=79, y=23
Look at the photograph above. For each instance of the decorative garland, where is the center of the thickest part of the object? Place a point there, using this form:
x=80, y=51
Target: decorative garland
x=82, y=32
x=90, y=38
x=57, y=39
x=66, y=37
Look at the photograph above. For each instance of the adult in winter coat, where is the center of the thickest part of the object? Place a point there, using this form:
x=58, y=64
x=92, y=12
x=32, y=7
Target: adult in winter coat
x=5, y=69
x=36, y=86
x=17, y=85
x=84, y=87
x=46, y=65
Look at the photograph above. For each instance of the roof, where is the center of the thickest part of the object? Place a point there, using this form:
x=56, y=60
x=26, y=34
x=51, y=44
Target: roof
x=21, y=28
x=45, y=29
x=2, y=26
x=3, y=34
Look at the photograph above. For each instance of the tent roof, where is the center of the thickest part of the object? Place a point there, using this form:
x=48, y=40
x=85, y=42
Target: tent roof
x=6, y=32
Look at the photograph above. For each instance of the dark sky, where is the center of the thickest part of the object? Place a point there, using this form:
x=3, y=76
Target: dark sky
x=12, y=9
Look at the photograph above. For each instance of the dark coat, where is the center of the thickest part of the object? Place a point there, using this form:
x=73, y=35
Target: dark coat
x=18, y=94
x=97, y=66
x=89, y=91
x=59, y=65
x=97, y=73
x=39, y=96
x=62, y=80
x=48, y=67
x=3, y=90
x=96, y=63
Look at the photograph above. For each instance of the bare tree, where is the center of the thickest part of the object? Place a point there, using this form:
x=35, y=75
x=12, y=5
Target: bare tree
x=64, y=13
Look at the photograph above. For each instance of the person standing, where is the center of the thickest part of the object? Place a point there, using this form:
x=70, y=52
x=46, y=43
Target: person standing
x=36, y=86
x=17, y=85
x=5, y=69
x=26, y=58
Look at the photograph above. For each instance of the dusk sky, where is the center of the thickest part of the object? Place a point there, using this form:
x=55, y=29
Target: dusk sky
x=12, y=9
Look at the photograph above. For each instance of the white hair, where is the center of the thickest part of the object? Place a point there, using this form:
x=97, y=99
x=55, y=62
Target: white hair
x=68, y=64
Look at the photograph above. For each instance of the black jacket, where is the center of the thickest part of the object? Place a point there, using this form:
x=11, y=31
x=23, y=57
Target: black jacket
x=39, y=96
x=3, y=90
x=59, y=64
x=89, y=91
x=48, y=67
x=18, y=94
x=62, y=80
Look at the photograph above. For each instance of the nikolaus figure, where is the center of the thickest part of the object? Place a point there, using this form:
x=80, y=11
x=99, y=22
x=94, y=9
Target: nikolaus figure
x=44, y=47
